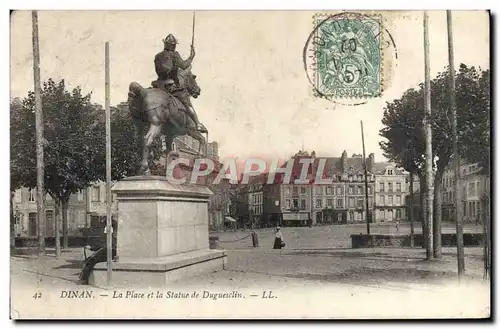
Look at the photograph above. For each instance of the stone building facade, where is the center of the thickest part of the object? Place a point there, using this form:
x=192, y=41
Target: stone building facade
x=474, y=187
x=341, y=201
x=84, y=209
x=391, y=189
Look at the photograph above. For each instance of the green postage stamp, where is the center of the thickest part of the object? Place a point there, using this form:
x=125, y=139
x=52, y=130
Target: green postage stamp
x=347, y=58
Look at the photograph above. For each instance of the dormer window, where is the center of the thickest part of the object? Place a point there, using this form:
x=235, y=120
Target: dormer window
x=389, y=172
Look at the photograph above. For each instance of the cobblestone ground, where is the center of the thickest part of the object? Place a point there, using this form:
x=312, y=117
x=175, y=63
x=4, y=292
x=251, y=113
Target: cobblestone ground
x=316, y=262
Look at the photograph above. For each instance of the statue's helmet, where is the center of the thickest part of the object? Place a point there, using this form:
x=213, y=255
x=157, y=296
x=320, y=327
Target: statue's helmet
x=170, y=40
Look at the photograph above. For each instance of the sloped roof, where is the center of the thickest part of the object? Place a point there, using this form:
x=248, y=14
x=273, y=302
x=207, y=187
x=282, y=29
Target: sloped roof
x=379, y=168
x=355, y=163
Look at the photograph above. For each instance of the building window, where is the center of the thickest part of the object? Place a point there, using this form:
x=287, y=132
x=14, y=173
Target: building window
x=295, y=203
x=351, y=202
x=96, y=193
x=398, y=213
x=389, y=172
x=302, y=204
x=370, y=190
x=360, y=190
x=318, y=203
x=472, y=188
x=398, y=200
x=351, y=190
x=287, y=190
x=340, y=203
x=477, y=188
x=339, y=190
x=18, y=197
x=370, y=201
x=389, y=200
x=302, y=190
x=389, y=187
x=329, y=190
x=318, y=190
x=381, y=187
x=329, y=203
x=382, y=200
x=32, y=197
x=295, y=190
x=288, y=203
x=360, y=202
x=398, y=187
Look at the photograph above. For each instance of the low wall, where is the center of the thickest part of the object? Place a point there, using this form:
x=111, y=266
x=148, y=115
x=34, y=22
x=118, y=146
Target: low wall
x=391, y=240
x=73, y=241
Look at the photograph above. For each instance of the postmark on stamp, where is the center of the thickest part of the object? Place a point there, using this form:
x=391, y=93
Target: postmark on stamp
x=344, y=57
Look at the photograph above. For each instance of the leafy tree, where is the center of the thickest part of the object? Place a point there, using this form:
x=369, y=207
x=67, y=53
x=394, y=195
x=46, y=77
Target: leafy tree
x=17, y=160
x=404, y=134
x=476, y=135
x=70, y=134
x=125, y=144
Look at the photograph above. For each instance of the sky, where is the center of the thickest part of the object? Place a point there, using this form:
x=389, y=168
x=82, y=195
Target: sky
x=255, y=97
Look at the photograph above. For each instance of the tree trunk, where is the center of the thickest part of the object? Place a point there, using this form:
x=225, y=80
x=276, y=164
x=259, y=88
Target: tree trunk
x=422, y=209
x=57, y=226
x=437, y=253
x=65, y=223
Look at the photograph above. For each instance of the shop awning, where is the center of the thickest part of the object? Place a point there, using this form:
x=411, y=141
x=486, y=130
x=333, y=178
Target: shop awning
x=230, y=219
x=296, y=216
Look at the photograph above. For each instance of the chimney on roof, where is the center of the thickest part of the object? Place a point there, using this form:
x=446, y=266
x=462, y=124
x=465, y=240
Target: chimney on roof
x=343, y=161
x=370, y=162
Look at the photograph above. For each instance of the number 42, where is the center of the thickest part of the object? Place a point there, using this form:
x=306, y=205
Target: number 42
x=37, y=295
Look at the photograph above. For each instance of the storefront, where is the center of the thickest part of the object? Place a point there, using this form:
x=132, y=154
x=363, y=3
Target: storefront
x=296, y=218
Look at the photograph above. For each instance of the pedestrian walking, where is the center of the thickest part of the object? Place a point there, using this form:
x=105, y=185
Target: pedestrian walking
x=278, y=239
x=397, y=225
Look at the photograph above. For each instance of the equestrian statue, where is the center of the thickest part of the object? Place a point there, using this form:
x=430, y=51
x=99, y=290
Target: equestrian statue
x=165, y=108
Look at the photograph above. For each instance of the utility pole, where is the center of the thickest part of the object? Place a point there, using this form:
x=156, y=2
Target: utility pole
x=366, y=181
x=428, y=142
x=40, y=199
x=109, y=226
x=456, y=162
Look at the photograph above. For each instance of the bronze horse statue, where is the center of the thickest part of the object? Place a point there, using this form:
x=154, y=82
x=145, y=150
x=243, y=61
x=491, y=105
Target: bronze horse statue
x=164, y=114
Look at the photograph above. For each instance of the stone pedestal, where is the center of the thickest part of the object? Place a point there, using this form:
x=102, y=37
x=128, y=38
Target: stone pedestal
x=162, y=233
